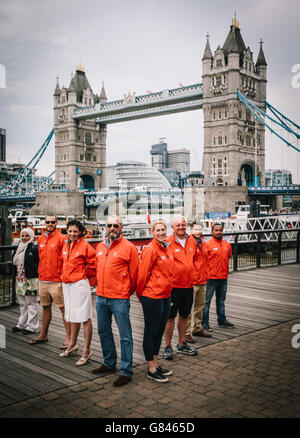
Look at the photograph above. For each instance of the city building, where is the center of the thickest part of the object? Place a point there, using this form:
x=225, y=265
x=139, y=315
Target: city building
x=135, y=175
x=174, y=164
x=2, y=144
x=194, y=179
x=8, y=171
x=159, y=156
x=179, y=159
x=278, y=177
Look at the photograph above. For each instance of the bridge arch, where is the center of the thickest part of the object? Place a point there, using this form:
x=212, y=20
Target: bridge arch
x=86, y=182
x=247, y=175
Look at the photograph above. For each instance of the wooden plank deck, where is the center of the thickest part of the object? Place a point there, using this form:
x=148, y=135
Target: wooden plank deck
x=256, y=299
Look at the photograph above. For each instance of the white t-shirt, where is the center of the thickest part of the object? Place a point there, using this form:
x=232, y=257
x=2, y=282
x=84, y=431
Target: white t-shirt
x=182, y=242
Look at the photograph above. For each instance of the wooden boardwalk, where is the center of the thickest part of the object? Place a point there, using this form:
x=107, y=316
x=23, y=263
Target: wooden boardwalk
x=255, y=300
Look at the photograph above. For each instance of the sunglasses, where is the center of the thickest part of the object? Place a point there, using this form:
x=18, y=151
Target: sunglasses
x=50, y=222
x=112, y=225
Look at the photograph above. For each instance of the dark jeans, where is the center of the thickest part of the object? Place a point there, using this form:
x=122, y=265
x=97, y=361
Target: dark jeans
x=156, y=314
x=220, y=287
x=119, y=308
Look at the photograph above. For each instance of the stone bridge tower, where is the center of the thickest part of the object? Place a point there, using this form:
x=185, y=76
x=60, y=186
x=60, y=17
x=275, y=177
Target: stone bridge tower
x=80, y=146
x=230, y=131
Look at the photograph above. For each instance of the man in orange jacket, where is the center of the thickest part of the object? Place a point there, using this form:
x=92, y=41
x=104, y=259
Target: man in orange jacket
x=50, y=246
x=200, y=280
x=117, y=264
x=218, y=254
x=182, y=250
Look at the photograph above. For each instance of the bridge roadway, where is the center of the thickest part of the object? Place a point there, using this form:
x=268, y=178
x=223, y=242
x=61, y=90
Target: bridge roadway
x=136, y=107
x=259, y=302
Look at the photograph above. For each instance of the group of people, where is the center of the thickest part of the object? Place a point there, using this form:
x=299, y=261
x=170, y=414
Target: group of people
x=178, y=274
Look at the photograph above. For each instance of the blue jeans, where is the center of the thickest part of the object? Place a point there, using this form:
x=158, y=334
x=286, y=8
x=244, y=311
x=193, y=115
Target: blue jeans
x=220, y=287
x=156, y=313
x=119, y=308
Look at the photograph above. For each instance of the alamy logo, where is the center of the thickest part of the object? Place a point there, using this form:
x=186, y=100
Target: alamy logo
x=296, y=337
x=2, y=336
x=296, y=77
x=2, y=76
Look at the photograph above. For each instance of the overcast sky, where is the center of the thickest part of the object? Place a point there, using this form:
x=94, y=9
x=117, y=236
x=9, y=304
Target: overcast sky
x=135, y=46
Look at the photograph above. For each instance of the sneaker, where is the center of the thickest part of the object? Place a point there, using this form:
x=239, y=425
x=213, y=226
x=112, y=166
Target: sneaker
x=207, y=327
x=189, y=339
x=186, y=349
x=164, y=371
x=168, y=354
x=226, y=324
x=157, y=377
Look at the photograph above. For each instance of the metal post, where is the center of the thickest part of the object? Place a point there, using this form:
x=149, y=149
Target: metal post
x=279, y=248
x=235, y=253
x=258, y=251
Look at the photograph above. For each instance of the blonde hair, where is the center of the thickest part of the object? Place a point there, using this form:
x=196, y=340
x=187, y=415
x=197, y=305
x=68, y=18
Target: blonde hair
x=157, y=223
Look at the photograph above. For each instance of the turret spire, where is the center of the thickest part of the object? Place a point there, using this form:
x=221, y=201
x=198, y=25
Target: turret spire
x=103, y=97
x=261, y=60
x=57, y=88
x=207, y=52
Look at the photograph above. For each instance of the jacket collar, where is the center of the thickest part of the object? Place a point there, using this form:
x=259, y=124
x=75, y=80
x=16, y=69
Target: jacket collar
x=175, y=239
x=52, y=233
x=217, y=240
x=199, y=241
x=159, y=245
x=109, y=245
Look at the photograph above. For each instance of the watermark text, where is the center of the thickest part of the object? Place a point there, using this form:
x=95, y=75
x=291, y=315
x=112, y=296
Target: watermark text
x=296, y=77
x=296, y=337
x=2, y=76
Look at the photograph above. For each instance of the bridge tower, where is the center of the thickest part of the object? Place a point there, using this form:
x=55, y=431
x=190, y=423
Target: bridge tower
x=80, y=145
x=230, y=131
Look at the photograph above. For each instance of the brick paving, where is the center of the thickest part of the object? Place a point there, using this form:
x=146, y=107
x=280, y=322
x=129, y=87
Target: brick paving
x=252, y=376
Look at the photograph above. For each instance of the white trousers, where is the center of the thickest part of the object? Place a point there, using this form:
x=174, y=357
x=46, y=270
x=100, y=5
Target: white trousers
x=29, y=313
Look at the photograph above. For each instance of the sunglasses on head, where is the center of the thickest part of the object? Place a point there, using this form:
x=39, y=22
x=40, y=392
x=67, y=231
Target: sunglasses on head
x=50, y=222
x=112, y=225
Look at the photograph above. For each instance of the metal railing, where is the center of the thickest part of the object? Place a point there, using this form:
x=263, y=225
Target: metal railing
x=259, y=251
x=250, y=254
x=7, y=279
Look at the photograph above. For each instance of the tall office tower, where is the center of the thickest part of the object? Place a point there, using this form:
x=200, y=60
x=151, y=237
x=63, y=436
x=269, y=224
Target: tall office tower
x=2, y=144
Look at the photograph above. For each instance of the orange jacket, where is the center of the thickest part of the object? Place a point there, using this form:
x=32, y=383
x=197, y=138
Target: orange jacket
x=182, y=266
x=200, y=262
x=50, y=247
x=218, y=255
x=117, y=268
x=154, y=278
x=78, y=264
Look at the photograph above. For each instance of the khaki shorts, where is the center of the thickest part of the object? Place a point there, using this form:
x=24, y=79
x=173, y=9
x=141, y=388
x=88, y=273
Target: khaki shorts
x=51, y=292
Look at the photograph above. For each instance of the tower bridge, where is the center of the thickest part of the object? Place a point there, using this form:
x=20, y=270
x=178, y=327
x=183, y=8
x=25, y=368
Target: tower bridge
x=234, y=143
x=234, y=137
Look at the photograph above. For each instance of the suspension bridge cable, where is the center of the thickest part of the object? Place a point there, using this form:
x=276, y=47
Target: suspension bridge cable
x=258, y=114
x=27, y=170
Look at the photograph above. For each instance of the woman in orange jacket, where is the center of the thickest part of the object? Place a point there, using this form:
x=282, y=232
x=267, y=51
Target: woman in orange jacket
x=78, y=265
x=154, y=287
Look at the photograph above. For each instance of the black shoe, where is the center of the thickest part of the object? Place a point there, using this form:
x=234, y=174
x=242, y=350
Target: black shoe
x=157, y=377
x=186, y=349
x=164, y=371
x=28, y=332
x=226, y=324
x=168, y=354
x=207, y=327
x=16, y=329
